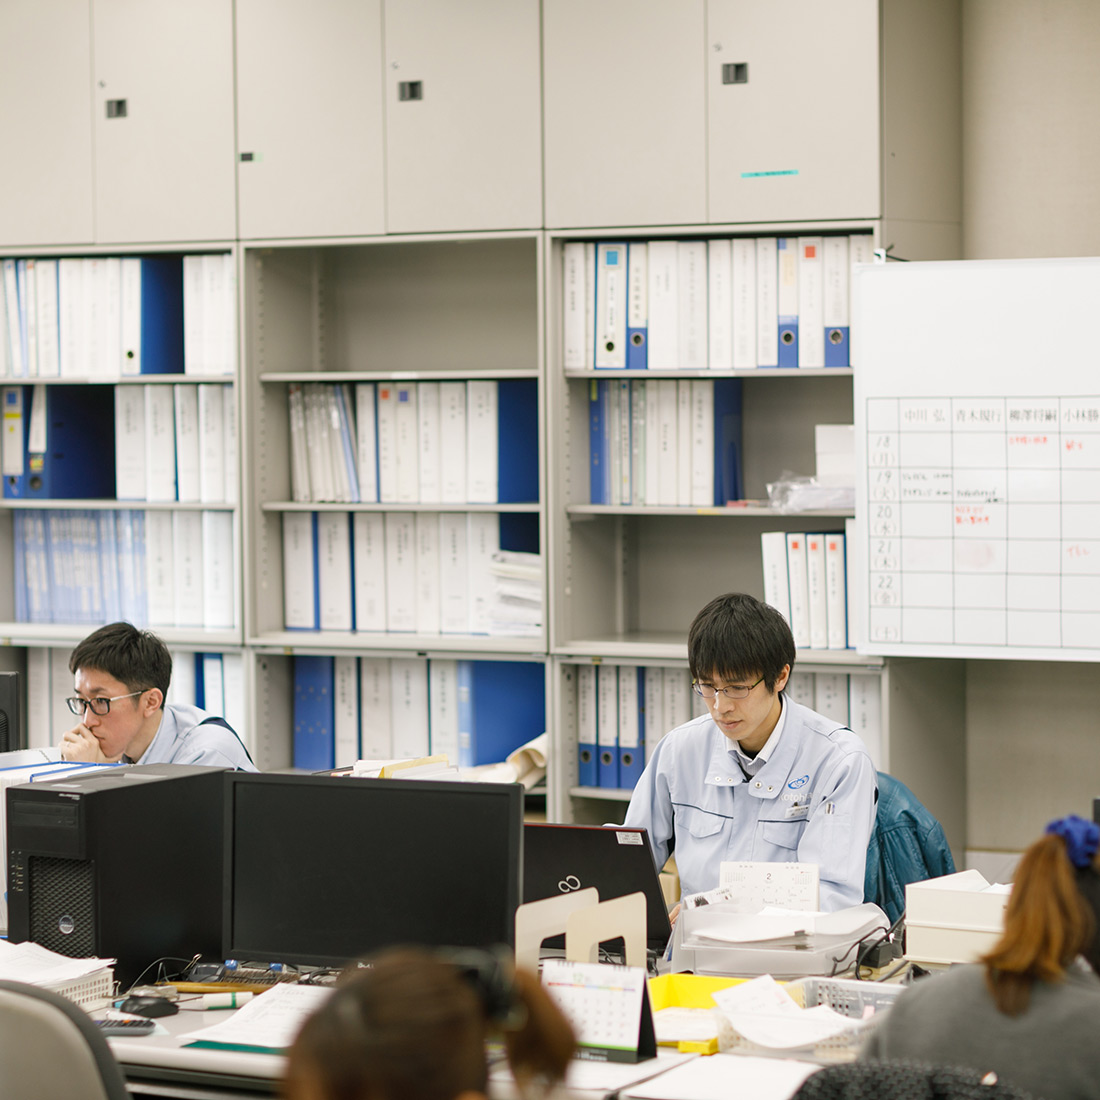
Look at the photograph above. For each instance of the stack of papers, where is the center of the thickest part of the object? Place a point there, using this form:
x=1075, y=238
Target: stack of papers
x=764, y=1014
x=718, y=924
x=37, y=965
x=517, y=606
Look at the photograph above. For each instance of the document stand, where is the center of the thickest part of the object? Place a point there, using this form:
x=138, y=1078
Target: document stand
x=536, y=921
x=623, y=917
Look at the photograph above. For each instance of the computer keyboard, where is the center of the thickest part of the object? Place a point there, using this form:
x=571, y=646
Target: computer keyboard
x=241, y=979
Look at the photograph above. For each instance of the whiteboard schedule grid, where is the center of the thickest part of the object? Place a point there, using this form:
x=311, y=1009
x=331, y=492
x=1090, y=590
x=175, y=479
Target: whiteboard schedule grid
x=978, y=426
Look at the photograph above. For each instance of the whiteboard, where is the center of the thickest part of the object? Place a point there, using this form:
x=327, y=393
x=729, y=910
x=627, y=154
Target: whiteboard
x=977, y=426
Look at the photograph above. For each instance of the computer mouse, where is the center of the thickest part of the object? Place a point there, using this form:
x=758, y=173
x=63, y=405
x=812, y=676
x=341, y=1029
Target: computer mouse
x=149, y=1006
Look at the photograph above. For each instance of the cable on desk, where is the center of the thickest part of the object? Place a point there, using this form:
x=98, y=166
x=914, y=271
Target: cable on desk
x=838, y=959
x=861, y=955
x=162, y=974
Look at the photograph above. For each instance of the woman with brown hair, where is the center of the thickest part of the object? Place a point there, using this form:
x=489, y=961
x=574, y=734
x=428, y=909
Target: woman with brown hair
x=412, y=1025
x=1030, y=1010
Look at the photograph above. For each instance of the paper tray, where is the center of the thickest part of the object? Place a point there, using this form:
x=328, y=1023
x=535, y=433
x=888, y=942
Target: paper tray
x=846, y=996
x=688, y=991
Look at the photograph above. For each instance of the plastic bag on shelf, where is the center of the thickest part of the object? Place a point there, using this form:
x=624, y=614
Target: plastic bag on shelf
x=799, y=493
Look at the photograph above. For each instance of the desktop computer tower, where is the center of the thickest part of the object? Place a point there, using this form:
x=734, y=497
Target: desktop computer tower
x=123, y=863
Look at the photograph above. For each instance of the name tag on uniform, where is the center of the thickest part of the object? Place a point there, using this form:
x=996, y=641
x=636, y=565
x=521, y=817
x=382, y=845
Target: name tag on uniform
x=798, y=813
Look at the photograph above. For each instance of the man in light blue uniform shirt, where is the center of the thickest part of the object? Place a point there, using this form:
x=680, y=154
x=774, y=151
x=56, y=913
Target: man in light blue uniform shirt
x=121, y=677
x=759, y=777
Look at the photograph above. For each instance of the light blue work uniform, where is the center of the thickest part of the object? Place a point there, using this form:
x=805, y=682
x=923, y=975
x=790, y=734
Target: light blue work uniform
x=182, y=739
x=809, y=797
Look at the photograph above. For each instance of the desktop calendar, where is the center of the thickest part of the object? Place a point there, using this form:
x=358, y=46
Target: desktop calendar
x=784, y=885
x=608, y=1007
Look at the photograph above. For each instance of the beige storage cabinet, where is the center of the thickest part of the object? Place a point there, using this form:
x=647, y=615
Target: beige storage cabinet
x=309, y=118
x=463, y=134
x=164, y=170
x=45, y=108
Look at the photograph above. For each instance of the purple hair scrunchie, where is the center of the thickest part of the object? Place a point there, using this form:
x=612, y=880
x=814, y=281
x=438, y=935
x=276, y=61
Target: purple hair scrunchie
x=1082, y=838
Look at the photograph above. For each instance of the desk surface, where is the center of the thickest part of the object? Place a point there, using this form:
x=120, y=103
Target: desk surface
x=157, y=1065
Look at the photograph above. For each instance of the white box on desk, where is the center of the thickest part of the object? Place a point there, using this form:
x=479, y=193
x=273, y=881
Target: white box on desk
x=953, y=918
x=962, y=900
x=944, y=945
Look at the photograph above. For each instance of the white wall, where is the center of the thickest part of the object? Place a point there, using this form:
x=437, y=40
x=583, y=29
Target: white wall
x=1031, y=166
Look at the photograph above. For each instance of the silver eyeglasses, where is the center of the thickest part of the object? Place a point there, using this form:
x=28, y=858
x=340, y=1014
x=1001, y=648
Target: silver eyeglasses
x=98, y=706
x=710, y=692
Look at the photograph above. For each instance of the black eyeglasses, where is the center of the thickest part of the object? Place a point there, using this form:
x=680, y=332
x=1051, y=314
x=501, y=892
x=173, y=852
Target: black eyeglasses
x=99, y=706
x=710, y=692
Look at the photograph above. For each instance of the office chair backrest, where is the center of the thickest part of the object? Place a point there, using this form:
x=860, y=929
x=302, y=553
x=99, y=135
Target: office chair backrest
x=907, y=845
x=904, y=1081
x=51, y=1050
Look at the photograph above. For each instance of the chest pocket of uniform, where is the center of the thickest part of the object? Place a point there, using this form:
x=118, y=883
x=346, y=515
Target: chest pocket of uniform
x=697, y=822
x=783, y=834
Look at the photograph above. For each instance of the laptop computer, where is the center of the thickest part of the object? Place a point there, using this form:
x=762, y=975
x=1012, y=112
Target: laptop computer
x=560, y=858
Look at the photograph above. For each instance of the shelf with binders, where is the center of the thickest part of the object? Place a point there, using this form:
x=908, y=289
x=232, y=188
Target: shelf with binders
x=907, y=712
x=76, y=565
x=120, y=483
x=607, y=710
x=396, y=410
x=97, y=314
x=316, y=709
x=643, y=536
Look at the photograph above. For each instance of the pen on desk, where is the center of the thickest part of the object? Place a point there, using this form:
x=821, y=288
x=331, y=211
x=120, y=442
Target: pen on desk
x=206, y=1001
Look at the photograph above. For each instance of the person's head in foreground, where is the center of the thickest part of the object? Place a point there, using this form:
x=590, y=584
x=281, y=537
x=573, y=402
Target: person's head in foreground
x=1051, y=916
x=413, y=1026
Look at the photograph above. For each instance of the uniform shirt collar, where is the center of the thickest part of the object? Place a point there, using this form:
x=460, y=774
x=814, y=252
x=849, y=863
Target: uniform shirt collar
x=753, y=764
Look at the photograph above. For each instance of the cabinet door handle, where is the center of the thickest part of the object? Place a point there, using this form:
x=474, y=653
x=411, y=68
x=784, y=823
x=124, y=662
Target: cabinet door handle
x=116, y=108
x=736, y=72
x=410, y=89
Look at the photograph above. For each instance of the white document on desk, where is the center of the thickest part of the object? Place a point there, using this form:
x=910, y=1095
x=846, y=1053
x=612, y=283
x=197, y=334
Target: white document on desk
x=268, y=1022
x=725, y=1077
x=605, y=1078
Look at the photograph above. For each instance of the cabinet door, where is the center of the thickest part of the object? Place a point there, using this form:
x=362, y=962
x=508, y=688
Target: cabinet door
x=625, y=112
x=463, y=149
x=45, y=108
x=796, y=137
x=164, y=170
x=309, y=118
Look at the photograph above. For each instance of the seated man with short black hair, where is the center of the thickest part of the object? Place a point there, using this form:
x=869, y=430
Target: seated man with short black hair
x=121, y=678
x=758, y=777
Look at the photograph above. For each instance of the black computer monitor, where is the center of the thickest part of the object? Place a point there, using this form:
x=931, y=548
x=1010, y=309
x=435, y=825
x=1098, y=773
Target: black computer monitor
x=321, y=869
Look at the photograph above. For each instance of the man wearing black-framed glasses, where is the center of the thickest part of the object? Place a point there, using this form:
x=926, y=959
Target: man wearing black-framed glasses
x=121, y=676
x=759, y=777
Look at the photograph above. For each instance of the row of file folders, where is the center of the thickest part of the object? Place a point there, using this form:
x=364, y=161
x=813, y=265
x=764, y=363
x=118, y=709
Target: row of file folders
x=467, y=442
x=855, y=700
x=413, y=572
x=213, y=682
x=108, y=317
x=806, y=580
x=667, y=442
x=718, y=304
x=151, y=568
x=624, y=710
x=381, y=708
x=128, y=442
